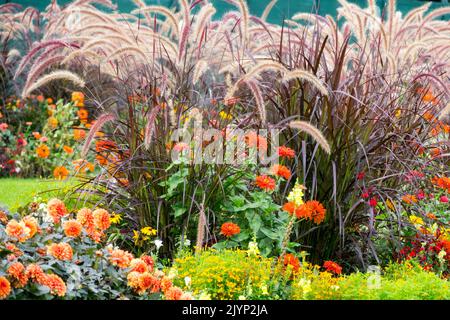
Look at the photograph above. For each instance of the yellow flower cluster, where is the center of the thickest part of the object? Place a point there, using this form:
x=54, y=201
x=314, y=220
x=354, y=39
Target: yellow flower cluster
x=296, y=194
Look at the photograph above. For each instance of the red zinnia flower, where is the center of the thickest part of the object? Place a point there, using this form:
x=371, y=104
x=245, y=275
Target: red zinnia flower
x=229, y=229
x=333, y=267
x=286, y=152
x=281, y=171
x=266, y=183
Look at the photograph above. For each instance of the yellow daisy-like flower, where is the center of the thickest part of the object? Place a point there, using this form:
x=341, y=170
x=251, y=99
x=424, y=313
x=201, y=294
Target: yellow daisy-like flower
x=115, y=218
x=417, y=221
x=149, y=231
x=225, y=116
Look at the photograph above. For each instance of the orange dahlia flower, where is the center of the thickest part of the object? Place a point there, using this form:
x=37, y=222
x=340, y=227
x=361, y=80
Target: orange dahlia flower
x=31, y=224
x=17, y=230
x=173, y=293
x=17, y=271
x=61, y=251
x=55, y=284
x=85, y=217
x=35, y=272
x=56, y=209
x=5, y=288
x=120, y=258
x=72, y=228
x=101, y=219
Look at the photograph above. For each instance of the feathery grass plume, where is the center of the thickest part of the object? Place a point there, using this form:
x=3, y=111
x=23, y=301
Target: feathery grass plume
x=26, y=59
x=444, y=112
x=171, y=19
x=128, y=50
x=267, y=10
x=305, y=75
x=150, y=126
x=79, y=53
x=56, y=75
x=201, y=228
x=37, y=69
x=243, y=8
x=313, y=132
x=99, y=123
x=254, y=72
x=186, y=28
x=391, y=19
x=200, y=67
x=203, y=16
x=256, y=91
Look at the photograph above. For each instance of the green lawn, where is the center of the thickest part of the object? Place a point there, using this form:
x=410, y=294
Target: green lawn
x=18, y=192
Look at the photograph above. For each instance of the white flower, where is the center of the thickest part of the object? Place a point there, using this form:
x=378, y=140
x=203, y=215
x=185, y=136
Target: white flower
x=253, y=248
x=242, y=298
x=173, y=272
x=442, y=254
x=158, y=244
x=187, y=281
x=187, y=243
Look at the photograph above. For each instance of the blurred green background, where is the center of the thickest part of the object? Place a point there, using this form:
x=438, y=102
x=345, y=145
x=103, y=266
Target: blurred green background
x=283, y=8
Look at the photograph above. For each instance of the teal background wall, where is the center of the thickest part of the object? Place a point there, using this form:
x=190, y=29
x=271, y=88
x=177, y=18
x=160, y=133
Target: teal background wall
x=283, y=8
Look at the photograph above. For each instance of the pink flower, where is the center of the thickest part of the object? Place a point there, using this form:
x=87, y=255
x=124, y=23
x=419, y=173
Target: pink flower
x=181, y=146
x=3, y=127
x=21, y=142
x=43, y=139
x=421, y=195
x=443, y=199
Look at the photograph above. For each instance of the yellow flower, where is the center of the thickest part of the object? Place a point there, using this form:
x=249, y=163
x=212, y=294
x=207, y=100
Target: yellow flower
x=225, y=116
x=296, y=194
x=52, y=122
x=115, y=218
x=136, y=235
x=149, y=231
x=417, y=221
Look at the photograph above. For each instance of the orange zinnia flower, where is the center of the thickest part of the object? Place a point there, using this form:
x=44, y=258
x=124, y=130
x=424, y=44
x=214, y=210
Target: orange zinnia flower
x=289, y=207
x=281, y=171
x=317, y=211
x=266, y=183
x=56, y=209
x=43, y=151
x=229, y=229
x=101, y=219
x=68, y=149
x=333, y=267
x=303, y=212
x=61, y=251
x=83, y=114
x=60, y=173
x=5, y=288
x=409, y=199
x=442, y=182
x=72, y=228
x=79, y=134
x=286, y=152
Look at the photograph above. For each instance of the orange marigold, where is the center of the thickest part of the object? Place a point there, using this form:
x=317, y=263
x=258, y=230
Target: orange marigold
x=5, y=288
x=61, y=251
x=281, y=171
x=229, y=229
x=43, y=151
x=72, y=228
x=60, y=173
x=56, y=209
x=333, y=267
x=17, y=230
x=101, y=219
x=318, y=211
x=265, y=182
x=286, y=152
x=120, y=258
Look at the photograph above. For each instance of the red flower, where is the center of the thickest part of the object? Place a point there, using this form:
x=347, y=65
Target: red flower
x=281, y=171
x=291, y=260
x=286, y=152
x=443, y=199
x=360, y=175
x=373, y=202
x=333, y=267
x=365, y=195
x=266, y=183
x=229, y=229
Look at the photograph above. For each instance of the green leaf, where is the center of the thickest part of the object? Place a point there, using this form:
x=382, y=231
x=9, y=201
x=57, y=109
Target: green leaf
x=241, y=236
x=178, y=211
